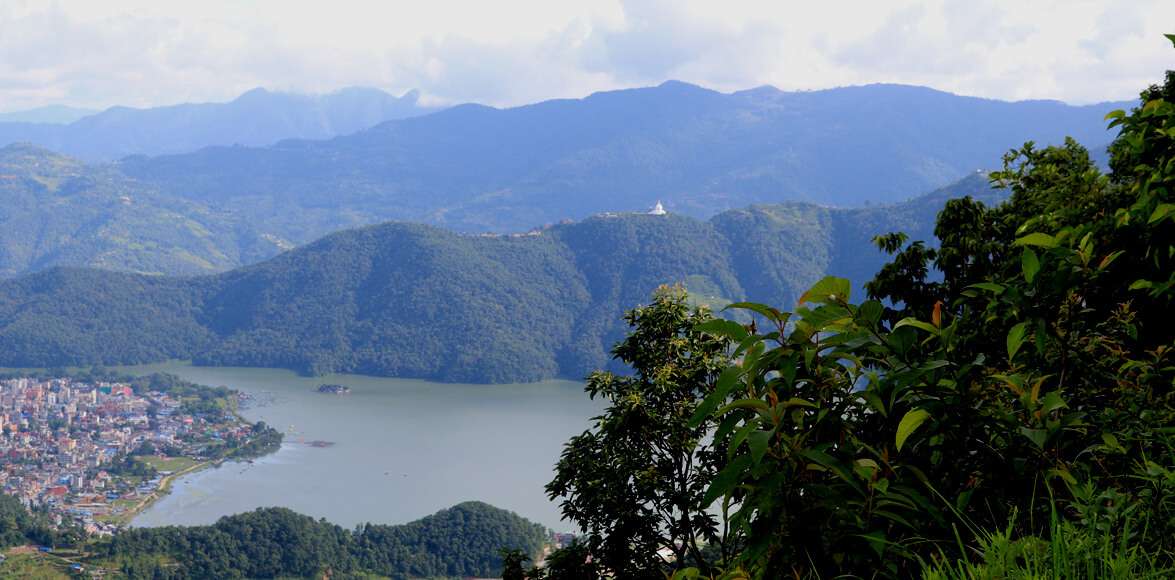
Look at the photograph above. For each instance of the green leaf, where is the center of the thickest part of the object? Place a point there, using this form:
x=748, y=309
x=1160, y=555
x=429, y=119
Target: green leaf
x=1036, y=436
x=1037, y=239
x=911, y=321
x=877, y=541
x=798, y=402
x=1163, y=210
x=726, y=382
x=1111, y=441
x=727, y=479
x=754, y=404
x=1170, y=37
x=823, y=317
x=909, y=423
x=1030, y=264
x=1051, y=402
x=871, y=310
x=726, y=427
x=723, y=328
x=741, y=435
x=767, y=312
x=1115, y=114
x=1109, y=259
x=830, y=289
x=758, y=441
x=828, y=462
x=1016, y=339
x=934, y=364
x=989, y=286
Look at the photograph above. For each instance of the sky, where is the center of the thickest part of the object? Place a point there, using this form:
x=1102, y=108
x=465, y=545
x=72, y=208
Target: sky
x=508, y=52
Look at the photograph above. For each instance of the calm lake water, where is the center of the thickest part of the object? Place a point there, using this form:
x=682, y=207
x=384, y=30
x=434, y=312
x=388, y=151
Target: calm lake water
x=402, y=449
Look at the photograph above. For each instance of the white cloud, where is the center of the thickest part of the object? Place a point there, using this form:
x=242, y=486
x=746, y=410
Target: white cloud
x=151, y=52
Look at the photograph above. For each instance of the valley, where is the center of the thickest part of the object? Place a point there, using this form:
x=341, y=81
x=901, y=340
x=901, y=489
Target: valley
x=402, y=449
x=586, y=291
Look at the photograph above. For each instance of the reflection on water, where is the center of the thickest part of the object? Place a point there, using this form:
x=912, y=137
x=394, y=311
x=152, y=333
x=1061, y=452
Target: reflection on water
x=397, y=449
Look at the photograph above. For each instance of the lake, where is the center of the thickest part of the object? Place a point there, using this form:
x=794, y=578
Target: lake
x=402, y=448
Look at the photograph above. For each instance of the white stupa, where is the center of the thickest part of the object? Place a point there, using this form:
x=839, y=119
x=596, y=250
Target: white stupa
x=657, y=209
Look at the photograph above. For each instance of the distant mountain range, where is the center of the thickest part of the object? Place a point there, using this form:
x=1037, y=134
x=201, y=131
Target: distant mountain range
x=477, y=168
x=418, y=301
x=57, y=114
x=258, y=117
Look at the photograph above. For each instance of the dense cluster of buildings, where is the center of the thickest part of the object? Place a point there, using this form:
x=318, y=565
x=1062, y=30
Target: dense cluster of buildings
x=62, y=443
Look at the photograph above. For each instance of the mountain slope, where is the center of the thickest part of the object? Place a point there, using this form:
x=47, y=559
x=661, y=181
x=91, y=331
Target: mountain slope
x=55, y=211
x=258, y=117
x=477, y=168
x=418, y=301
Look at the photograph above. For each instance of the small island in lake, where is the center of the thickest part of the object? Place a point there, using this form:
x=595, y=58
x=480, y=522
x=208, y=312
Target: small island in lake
x=334, y=389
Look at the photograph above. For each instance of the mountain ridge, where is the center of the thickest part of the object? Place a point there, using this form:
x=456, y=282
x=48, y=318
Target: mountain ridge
x=256, y=117
x=477, y=168
x=56, y=210
x=415, y=300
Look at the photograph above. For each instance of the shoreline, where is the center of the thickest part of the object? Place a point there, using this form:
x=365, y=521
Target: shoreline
x=124, y=519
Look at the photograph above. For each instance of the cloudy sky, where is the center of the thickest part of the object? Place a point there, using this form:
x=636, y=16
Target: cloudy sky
x=507, y=52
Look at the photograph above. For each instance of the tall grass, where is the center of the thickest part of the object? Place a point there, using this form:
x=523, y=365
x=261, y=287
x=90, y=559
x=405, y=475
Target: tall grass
x=1070, y=552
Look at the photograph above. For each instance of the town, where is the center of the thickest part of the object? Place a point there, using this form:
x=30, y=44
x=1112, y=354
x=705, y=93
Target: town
x=91, y=454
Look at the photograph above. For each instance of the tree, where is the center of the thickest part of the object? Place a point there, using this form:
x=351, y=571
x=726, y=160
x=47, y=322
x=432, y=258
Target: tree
x=572, y=562
x=1031, y=383
x=512, y=562
x=634, y=482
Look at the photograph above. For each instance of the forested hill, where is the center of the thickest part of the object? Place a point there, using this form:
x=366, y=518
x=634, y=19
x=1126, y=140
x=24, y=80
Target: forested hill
x=56, y=211
x=459, y=542
x=477, y=168
x=419, y=301
x=258, y=117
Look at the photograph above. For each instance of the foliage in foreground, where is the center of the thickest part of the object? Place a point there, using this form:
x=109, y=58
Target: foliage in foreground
x=634, y=482
x=1027, y=388
x=1070, y=551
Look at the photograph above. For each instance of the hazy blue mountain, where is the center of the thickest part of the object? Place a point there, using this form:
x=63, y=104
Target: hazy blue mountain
x=477, y=168
x=56, y=114
x=56, y=211
x=420, y=301
x=258, y=117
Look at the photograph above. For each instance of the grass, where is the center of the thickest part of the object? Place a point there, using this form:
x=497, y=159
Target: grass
x=34, y=566
x=1069, y=552
x=118, y=511
x=172, y=464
